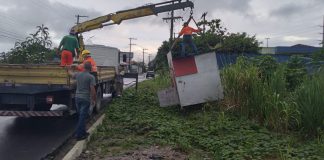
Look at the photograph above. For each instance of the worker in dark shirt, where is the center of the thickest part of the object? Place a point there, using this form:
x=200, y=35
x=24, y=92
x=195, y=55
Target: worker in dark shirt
x=69, y=47
x=187, y=31
x=85, y=96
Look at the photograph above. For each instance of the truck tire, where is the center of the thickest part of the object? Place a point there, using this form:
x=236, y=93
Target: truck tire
x=97, y=107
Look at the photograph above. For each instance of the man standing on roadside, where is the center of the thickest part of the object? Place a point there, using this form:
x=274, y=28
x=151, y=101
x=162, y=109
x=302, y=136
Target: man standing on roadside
x=69, y=47
x=85, y=96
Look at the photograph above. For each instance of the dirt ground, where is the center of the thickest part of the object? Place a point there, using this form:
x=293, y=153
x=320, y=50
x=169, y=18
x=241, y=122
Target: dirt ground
x=152, y=153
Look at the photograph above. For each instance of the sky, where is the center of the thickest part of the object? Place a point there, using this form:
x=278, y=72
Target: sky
x=285, y=22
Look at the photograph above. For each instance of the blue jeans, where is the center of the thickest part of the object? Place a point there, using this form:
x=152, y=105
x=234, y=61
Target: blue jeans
x=187, y=40
x=83, y=112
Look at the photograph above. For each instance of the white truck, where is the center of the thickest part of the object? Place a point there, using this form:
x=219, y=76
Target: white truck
x=104, y=55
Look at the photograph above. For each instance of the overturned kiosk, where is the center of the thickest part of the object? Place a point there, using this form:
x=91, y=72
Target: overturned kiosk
x=195, y=80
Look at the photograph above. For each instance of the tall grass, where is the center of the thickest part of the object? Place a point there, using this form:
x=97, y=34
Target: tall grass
x=260, y=94
x=310, y=102
x=238, y=80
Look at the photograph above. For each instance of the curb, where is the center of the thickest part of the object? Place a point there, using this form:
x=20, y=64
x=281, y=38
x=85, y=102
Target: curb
x=77, y=149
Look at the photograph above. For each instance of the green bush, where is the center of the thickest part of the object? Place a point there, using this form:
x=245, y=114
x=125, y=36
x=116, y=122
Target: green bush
x=296, y=72
x=267, y=66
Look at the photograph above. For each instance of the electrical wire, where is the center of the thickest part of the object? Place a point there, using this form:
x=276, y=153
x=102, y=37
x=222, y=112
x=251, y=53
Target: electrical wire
x=12, y=35
x=5, y=36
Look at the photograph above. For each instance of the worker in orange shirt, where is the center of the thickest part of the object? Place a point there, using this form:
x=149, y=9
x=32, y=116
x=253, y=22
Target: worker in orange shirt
x=86, y=55
x=187, y=31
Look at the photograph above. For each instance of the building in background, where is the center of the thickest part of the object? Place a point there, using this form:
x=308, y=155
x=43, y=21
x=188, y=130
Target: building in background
x=298, y=49
x=125, y=57
x=104, y=55
x=268, y=50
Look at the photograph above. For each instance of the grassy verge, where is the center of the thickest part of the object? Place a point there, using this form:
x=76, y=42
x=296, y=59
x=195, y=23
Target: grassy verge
x=282, y=97
x=137, y=121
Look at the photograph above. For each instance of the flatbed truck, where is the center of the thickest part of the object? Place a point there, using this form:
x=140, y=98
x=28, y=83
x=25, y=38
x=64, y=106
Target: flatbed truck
x=31, y=90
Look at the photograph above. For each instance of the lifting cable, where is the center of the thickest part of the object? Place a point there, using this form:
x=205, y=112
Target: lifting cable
x=203, y=36
x=218, y=45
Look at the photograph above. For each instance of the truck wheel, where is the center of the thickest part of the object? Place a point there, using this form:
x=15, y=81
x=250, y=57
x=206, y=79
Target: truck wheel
x=99, y=98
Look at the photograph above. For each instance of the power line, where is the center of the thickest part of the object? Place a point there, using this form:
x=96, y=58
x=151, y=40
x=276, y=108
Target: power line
x=10, y=35
x=13, y=19
x=292, y=31
x=309, y=33
x=1, y=35
x=41, y=3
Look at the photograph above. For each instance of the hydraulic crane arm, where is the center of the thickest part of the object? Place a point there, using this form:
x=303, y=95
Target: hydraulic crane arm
x=118, y=17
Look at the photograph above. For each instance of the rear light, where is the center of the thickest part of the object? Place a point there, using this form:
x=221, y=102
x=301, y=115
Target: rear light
x=49, y=99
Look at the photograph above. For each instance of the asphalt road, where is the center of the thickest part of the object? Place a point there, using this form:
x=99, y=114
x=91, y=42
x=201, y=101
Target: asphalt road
x=34, y=138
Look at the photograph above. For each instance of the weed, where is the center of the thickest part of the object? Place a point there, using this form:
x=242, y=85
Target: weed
x=136, y=120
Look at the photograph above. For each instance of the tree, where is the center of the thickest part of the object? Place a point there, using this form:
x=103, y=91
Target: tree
x=239, y=43
x=43, y=35
x=35, y=49
x=3, y=57
x=216, y=38
x=318, y=55
x=160, y=62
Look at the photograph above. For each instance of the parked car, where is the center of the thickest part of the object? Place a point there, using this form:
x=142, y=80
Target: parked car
x=150, y=74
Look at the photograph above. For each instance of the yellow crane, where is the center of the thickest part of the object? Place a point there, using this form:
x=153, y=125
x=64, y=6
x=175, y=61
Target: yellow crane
x=118, y=17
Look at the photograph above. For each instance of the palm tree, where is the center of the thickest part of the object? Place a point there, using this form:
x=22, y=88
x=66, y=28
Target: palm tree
x=44, y=35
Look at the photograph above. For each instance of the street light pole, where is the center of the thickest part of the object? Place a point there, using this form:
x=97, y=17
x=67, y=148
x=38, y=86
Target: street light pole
x=144, y=49
x=267, y=42
x=130, y=51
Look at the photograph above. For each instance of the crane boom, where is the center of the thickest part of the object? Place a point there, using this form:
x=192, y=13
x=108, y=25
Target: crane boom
x=118, y=17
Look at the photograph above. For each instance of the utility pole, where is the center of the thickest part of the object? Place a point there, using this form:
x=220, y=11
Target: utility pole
x=204, y=25
x=172, y=20
x=79, y=37
x=130, y=51
x=323, y=33
x=78, y=18
x=267, y=42
x=144, y=49
x=148, y=63
x=149, y=59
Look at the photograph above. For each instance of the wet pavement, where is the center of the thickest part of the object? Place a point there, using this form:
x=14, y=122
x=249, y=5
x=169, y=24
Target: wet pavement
x=34, y=138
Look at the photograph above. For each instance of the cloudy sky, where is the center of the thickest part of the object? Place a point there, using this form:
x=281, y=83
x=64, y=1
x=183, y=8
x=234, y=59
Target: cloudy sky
x=285, y=22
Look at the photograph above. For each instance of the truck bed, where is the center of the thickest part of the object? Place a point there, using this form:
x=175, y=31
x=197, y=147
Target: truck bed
x=14, y=74
x=28, y=90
